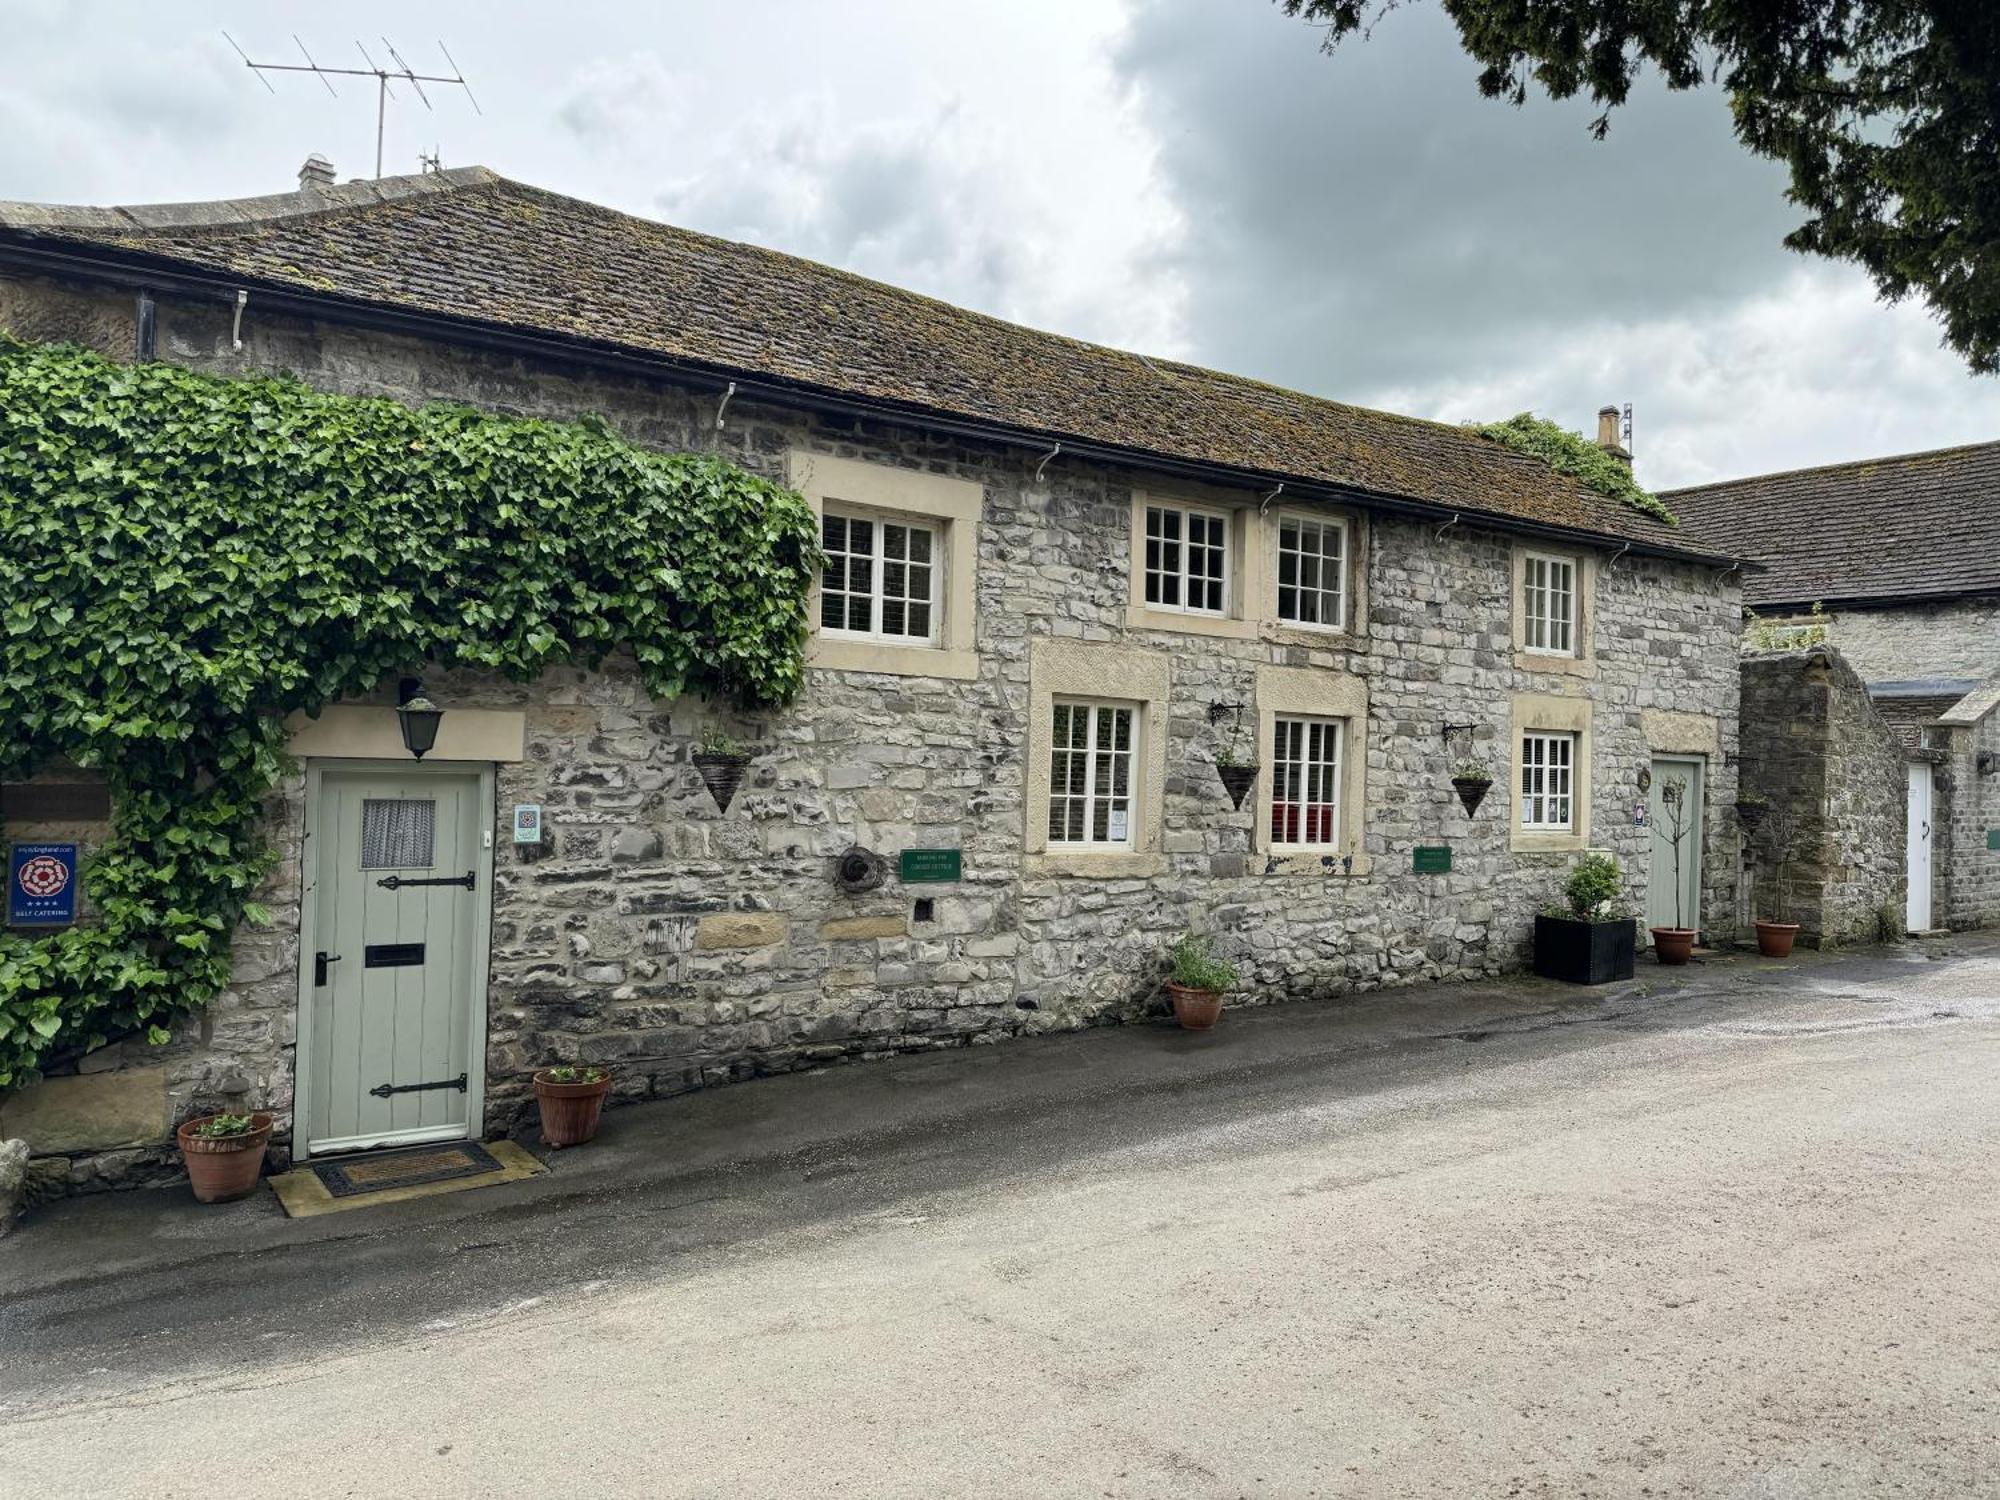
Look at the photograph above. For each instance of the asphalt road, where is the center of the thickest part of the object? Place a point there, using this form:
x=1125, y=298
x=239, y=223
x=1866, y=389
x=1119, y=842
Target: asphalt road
x=1735, y=1240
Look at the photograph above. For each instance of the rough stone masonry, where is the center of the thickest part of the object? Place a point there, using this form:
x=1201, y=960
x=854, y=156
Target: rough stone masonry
x=683, y=946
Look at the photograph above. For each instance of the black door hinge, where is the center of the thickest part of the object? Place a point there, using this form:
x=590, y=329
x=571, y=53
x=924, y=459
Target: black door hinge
x=397, y=882
x=384, y=1090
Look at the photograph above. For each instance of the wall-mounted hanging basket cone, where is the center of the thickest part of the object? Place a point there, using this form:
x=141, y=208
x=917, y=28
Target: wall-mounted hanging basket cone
x=1238, y=780
x=722, y=774
x=1472, y=791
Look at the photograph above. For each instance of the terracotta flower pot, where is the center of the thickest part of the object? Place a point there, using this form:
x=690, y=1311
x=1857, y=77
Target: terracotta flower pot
x=570, y=1110
x=1196, y=1010
x=1673, y=945
x=225, y=1166
x=1774, y=939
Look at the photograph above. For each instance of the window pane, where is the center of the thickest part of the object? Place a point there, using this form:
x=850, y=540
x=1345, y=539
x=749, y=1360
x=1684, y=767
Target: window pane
x=397, y=834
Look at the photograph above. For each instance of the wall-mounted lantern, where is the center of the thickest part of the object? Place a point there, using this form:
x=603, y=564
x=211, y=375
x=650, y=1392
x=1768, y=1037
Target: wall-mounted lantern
x=417, y=716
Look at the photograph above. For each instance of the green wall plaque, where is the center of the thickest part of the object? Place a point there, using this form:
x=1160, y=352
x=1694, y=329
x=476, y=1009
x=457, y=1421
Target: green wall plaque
x=1993, y=838
x=919, y=865
x=1432, y=859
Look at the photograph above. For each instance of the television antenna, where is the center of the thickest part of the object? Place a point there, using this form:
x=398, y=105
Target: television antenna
x=401, y=73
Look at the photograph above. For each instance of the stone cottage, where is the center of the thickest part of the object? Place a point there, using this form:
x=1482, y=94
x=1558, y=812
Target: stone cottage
x=1061, y=580
x=1892, y=565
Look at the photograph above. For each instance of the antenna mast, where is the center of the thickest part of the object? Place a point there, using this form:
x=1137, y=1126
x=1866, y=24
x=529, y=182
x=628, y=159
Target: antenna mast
x=401, y=73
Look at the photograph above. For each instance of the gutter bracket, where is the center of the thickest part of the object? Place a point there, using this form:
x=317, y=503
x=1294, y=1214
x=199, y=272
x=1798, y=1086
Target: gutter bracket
x=1616, y=555
x=236, y=322
x=727, y=396
x=1455, y=515
x=1042, y=467
x=1265, y=504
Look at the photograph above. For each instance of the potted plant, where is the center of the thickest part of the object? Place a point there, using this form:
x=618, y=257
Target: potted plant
x=1675, y=944
x=224, y=1154
x=1238, y=775
x=1586, y=940
x=1775, y=935
x=571, y=1099
x=1472, y=782
x=720, y=760
x=1197, y=980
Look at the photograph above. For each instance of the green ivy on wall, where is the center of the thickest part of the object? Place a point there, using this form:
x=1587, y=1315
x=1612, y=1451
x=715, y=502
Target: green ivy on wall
x=1574, y=454
x=185, y=560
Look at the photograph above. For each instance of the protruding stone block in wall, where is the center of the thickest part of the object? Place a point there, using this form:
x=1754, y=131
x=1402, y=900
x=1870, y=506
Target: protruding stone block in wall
x=89, y=1111
x=749, y=929
x=844, y=929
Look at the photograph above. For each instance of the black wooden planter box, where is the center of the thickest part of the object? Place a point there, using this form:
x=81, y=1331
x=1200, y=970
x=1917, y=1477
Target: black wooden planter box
x=1583, y=952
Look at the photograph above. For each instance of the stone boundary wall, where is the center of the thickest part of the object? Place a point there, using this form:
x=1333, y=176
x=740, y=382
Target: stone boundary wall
x=686, y=947
x=1968, y=892
x=1816, y=749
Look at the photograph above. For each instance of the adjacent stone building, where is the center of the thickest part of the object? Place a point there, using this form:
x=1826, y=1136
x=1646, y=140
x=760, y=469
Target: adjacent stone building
x=1894, y=564
x=1062, y=579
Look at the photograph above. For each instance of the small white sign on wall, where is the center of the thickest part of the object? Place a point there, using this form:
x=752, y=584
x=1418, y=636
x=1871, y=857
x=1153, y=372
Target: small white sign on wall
x=527, y=822
x=1119, y=823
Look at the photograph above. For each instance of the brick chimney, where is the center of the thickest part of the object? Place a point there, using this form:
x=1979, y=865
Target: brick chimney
x=316, y=175
x=1608, y=435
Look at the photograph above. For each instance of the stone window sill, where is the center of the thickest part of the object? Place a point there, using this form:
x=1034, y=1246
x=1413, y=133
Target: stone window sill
x=1572, y=666
x=1096, y=865
x=833, y=655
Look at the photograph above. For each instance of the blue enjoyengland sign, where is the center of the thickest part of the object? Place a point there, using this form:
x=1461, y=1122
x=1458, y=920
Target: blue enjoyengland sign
x=41, y=885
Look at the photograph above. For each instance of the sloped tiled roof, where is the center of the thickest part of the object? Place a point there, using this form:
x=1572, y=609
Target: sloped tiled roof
x=469, y=244
x=1923, y=524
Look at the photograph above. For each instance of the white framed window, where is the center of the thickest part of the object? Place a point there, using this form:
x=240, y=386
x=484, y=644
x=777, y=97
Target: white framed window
x=1548, y=779
x=1312, y=564
x=1187, y=559
x=880, y=582
x=1305, y=782
x=1091, y=768
x=1548, y=604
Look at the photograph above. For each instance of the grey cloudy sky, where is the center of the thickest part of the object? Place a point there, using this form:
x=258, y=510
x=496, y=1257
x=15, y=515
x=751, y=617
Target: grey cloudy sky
x=1185, y=177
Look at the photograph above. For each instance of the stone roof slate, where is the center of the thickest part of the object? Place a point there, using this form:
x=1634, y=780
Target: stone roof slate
x=470, y=244
x=1919, y=525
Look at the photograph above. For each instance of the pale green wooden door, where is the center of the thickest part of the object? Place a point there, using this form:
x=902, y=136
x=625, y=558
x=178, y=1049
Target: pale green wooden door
x=1686, y=773
x=388, y=1042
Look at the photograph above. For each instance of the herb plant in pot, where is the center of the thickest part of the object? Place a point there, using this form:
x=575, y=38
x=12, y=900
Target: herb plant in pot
x=1586, y=939
x=720, y=760
x=1197, y=981
x=571, y=1099
x=1675, y=944
x=224, y=1154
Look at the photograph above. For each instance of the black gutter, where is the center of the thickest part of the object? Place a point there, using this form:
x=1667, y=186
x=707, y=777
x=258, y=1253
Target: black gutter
x=159, y=273
x=1873, y=601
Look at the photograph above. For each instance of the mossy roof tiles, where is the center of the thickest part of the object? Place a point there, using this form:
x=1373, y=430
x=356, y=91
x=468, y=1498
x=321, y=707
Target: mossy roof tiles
x=470, y=244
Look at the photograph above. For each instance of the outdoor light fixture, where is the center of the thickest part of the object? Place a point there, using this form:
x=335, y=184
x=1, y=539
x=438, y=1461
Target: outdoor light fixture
x=418, y=717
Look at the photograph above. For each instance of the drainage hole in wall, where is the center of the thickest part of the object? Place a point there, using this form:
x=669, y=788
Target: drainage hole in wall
x=926, y=910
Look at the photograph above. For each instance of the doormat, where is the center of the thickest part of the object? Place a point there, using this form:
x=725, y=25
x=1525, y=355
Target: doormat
x=396, y=1176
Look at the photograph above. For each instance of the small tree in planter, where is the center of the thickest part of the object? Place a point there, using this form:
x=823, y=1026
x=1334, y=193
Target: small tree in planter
x=1777, y=836
x=720, y=760
x=1197, y=981
x=571, y=1100
x=1586, y=939
x=224, y=1154
x=1674, y=945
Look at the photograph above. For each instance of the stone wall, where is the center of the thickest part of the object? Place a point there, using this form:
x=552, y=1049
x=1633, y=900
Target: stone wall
x=1956, y=639
x=687, y=947
x=1831, y=771
x=1968, y=815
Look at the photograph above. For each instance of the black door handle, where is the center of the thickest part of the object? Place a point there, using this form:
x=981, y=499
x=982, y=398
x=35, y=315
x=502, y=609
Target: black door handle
x=320, y=960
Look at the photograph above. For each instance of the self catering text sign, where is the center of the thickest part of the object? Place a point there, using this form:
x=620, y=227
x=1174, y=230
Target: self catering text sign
x=929, y=865
x=41, y=885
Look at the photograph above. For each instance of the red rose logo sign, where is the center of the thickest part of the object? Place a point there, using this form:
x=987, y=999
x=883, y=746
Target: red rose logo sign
x=41, y=885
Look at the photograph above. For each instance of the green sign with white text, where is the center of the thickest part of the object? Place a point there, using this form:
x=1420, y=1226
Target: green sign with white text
x=1432, y=859
x=920, y=865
